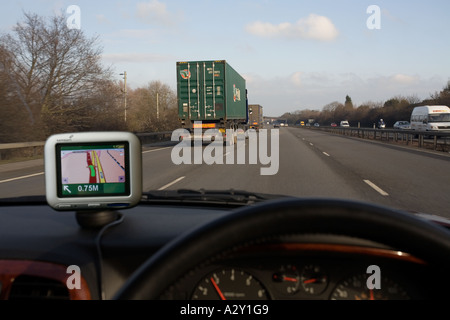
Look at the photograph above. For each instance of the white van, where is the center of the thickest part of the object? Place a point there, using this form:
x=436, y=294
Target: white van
x=344, y=123
x=430, y=118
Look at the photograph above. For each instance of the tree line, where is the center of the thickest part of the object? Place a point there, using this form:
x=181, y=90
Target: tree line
x=52, y=80
x=397, y=108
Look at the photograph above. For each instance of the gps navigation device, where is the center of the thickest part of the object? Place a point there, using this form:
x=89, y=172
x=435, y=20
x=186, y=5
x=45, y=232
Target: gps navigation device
x=93, y=170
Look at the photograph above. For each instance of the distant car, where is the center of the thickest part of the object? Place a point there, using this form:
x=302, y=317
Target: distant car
x=404, y=125
x=334, y=124
x=381, y=124
x=316, y=124
x=344, y=123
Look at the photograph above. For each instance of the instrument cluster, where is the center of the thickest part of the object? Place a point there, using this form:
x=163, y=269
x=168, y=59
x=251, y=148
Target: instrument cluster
x=338, y=273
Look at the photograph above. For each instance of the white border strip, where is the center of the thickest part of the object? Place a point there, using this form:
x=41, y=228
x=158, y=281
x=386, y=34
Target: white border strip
x=172, y=183
x=22, y=177
x=376, y=188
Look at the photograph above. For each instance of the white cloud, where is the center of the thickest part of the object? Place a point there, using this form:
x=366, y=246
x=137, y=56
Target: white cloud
x=59, y=9
x=313, y=27
x=404, y=79
x=296, y=79
x=101, y=18
x=156, y=13
x=386, y=13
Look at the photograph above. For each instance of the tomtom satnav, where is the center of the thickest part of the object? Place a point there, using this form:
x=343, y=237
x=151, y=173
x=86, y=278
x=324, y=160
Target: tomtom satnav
x=93, y=170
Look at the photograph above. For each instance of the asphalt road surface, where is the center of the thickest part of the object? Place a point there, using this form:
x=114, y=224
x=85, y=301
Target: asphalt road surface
x=309, y=164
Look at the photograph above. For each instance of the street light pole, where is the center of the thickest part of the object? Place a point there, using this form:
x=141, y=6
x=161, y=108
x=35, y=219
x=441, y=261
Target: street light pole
x=124, y=74
x=157, y=105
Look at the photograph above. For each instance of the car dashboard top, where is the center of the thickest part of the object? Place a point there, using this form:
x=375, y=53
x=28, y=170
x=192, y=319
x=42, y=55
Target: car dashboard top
x=40, y=249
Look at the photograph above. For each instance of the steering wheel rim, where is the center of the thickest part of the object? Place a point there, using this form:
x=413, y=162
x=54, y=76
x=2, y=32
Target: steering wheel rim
x=400, y=230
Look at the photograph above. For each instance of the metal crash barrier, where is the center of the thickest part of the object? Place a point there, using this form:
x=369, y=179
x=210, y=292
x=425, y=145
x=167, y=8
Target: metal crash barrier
x=439, y=141
x=36, y=148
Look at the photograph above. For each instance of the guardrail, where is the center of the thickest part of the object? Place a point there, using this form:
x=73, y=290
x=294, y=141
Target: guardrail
x=435, y=141
x=427, y=140
x=36, y=148
x=151, y=137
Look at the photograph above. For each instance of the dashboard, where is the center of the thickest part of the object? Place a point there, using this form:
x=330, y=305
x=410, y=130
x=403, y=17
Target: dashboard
x=39, y=244
x=39, y=248
x=324, y=268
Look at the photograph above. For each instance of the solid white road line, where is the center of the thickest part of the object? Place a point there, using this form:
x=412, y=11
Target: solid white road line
x=22, y=177
x=378, y=189
x=171, y=183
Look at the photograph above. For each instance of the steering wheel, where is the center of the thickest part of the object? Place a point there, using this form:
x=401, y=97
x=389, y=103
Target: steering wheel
x=400, y=230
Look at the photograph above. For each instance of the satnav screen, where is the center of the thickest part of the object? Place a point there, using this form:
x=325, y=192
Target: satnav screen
x=92, y=170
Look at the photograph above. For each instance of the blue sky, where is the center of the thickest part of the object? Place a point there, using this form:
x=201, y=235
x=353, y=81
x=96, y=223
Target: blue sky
x=294, y=55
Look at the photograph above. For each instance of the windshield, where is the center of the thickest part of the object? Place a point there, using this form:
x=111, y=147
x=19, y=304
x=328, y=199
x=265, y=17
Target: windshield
x=441, y=117
x=174, y=71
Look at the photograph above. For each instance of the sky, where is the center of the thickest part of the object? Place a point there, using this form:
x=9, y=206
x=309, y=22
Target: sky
x=294, y=55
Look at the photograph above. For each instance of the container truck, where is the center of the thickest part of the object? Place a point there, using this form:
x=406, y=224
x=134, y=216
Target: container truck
x=211, y=95
x=255, y=116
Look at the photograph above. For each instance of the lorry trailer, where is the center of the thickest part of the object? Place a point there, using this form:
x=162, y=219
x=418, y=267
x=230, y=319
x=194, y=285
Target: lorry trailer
x=211, y=95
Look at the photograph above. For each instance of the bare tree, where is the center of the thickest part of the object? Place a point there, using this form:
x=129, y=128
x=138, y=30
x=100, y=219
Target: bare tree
x=153, y=108
x=10, y=107
x=53, y=67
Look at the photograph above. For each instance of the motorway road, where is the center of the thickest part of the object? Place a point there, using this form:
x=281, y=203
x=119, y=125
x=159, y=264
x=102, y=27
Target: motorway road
x=311, y=164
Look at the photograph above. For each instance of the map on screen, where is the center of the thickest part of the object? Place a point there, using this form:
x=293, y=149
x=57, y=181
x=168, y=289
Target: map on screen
x=88, y=170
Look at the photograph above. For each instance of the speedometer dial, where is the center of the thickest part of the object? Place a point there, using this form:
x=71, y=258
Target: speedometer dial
x=355, y=288
x=230, y=284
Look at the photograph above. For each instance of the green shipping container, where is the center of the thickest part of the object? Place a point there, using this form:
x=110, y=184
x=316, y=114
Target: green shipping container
x=210, y=91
